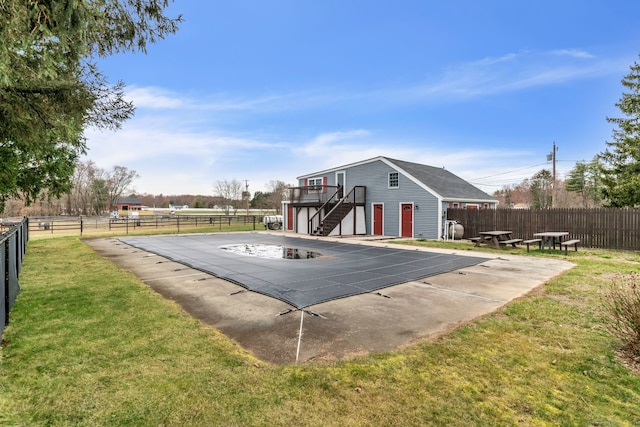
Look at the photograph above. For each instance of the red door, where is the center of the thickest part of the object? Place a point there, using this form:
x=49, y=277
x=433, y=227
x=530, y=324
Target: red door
x=289, y=217
x=377, y=219
x=407, y=220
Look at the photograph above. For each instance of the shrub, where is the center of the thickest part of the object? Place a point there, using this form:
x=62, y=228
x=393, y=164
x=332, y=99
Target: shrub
x=622, y=301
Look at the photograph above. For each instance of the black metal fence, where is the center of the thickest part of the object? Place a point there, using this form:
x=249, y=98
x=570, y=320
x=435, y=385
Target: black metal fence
x=604, y=228
x=13, y=246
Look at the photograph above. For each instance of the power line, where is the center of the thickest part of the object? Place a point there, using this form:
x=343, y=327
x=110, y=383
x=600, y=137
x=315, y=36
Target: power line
x=512, y=171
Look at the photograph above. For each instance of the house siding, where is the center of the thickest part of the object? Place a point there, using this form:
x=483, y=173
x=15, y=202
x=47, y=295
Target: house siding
x=375, y=176
x=430, y=192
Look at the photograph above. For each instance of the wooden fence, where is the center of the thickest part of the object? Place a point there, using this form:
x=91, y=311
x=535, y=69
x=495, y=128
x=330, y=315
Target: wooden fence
x=596, y=228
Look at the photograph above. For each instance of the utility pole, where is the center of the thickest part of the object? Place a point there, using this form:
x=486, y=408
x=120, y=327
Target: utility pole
x=552, y=157
x=246, y=194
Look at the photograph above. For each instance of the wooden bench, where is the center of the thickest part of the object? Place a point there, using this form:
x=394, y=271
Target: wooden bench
x=511, y=242
x=568, y=243
x=478, y=240
x=530, y=241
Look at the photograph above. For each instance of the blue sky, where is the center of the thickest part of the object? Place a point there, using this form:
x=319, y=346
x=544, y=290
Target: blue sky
x=270, y=90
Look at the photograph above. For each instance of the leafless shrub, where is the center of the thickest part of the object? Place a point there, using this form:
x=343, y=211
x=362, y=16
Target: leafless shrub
x=622, y=302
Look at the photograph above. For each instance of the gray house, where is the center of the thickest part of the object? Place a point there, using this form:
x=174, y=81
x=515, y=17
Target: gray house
x=379, y=196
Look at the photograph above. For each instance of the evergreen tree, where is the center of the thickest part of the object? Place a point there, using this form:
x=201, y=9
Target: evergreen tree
x=51, y=88
x=541, y=187
x=260, y=200
x=585, y=180
x=621, y=159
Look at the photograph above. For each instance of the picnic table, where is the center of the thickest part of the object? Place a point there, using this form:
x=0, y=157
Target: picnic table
x=551, y=238
x=496, y=238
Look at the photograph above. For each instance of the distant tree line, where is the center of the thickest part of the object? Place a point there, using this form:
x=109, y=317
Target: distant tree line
x=235, y=195
x=582, y=188
x=96, y=191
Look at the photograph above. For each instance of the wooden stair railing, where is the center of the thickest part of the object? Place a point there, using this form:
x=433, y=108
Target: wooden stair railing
x=335, y=215
x=317, y=217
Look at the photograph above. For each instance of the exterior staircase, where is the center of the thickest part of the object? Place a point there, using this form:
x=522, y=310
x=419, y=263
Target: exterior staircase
x=334, y=217
x=331, y=214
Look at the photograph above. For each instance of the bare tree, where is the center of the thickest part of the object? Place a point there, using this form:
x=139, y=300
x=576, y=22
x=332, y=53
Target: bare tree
x=12, y=207
x=79, y=198
x=277, y=193
x=514, y=195
x=118, y=181
x=230, y=192
x=94, y=189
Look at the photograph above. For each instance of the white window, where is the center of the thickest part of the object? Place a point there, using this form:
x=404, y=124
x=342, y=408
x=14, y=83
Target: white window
x=394, y=180
x=315, y=183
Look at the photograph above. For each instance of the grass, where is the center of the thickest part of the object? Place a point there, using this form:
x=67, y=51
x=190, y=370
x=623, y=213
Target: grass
x=90, y=345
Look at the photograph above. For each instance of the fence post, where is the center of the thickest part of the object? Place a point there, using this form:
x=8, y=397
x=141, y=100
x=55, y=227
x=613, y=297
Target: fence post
x=13, y=243
x=5, y=284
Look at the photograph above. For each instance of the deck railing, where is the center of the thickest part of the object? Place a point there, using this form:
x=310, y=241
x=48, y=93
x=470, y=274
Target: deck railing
x=355, y=197
x=313, y=195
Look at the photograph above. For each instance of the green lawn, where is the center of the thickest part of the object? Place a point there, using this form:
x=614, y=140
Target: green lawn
x=90, y=345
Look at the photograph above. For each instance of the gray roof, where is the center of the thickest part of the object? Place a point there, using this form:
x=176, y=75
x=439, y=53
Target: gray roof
x=129, y=201
x=440, y=180
x=448, y=186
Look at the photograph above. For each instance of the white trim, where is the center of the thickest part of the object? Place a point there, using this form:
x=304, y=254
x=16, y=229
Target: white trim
x=315, y=185
x=411, y=178
x=389, y=187
x=413, y=218
x=399, y=169
x=491, y=202
x=344, y=180
x=373, y=217
x=350, y=165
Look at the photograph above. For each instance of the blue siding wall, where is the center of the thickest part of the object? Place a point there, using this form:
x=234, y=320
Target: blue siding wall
x=375, y=176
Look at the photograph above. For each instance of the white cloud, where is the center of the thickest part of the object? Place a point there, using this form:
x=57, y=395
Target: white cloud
x=183, y=143
x=153, y=98
x=152, y=137
x=511, y=72
x=574, y=53
x=171, y=159
x=459, y=82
